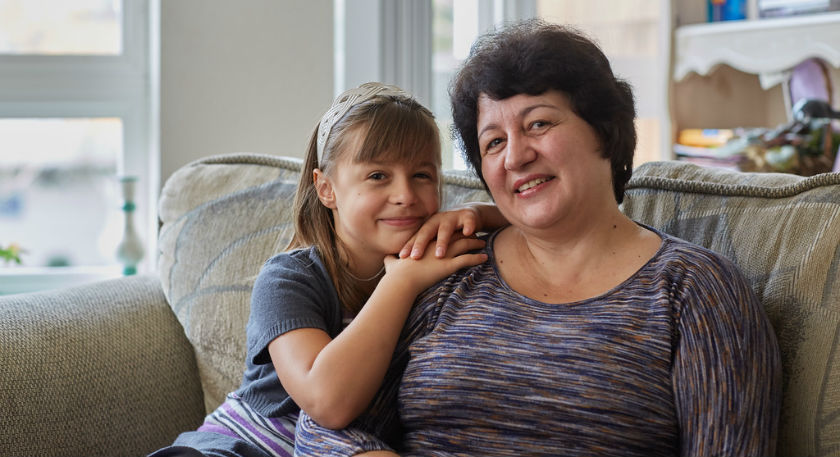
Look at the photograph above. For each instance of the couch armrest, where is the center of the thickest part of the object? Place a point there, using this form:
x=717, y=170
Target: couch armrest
x=100, y=369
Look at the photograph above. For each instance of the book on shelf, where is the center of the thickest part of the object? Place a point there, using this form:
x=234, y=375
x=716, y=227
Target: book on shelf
x=782, y=8
x=705, y=137
x=708, y=156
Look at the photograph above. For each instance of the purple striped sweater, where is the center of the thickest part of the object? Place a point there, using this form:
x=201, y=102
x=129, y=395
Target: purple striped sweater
x=680, y=359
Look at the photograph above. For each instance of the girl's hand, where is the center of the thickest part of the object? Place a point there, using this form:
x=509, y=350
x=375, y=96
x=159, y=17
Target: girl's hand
x=424, y=272
x=441, y=226
x=466, y=220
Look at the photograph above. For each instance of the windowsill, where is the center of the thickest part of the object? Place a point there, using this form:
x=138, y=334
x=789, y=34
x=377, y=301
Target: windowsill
x=18, y=280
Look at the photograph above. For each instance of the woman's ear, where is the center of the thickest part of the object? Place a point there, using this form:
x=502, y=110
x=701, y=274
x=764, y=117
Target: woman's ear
x=324, y=188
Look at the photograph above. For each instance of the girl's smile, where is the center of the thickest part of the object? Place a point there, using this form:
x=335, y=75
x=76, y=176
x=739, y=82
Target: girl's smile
x=403, y=221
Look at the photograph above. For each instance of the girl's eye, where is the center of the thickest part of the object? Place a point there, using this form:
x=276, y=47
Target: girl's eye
x=376, y=176
x=423, y=175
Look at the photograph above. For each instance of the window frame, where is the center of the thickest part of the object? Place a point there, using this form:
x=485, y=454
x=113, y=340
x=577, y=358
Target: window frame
x=124, y=86
x=400, y=32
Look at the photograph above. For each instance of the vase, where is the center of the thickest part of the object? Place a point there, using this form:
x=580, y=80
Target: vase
x=130, y=248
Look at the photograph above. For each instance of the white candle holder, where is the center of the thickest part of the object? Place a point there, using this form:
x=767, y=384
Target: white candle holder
x=130, y=248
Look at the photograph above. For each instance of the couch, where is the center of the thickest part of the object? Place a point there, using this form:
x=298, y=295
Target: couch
x=120, y=367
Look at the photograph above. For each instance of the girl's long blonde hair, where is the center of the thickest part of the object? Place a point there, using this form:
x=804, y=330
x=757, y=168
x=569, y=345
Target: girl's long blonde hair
x=395, y=128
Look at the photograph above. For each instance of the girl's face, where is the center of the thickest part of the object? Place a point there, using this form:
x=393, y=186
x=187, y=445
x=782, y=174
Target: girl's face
x=377, y=206
x=541, y=161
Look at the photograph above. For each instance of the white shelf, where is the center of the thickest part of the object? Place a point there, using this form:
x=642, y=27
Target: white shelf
x=763, y=46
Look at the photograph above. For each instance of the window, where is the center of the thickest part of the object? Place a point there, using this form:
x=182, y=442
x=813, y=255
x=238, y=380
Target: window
x=415, y=44
x=75, y=114
x=633, y=34
x=455, y=25
x=91, y=27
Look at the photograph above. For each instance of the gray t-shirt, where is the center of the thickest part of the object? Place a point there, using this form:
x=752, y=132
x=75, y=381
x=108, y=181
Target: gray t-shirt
x=292, y=291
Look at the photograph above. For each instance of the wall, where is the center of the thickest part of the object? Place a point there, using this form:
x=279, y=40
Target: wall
x=244, y=76
x=728, y=98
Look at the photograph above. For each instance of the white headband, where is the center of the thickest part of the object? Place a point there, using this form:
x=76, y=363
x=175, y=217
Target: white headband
x=347, y=100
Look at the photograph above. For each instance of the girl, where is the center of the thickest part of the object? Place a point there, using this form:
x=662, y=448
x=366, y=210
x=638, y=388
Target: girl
x=326, y=314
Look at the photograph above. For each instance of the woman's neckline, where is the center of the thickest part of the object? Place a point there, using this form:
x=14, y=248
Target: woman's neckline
x=493, y=262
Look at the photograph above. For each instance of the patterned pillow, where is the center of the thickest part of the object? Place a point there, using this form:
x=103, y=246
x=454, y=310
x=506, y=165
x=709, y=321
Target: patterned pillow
x=221, y=218
x=784, y=233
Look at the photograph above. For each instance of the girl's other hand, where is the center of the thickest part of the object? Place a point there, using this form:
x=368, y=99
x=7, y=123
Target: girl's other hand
x=466, y=221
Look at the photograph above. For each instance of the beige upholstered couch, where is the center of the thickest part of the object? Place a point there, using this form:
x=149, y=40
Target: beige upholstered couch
x=121, y=367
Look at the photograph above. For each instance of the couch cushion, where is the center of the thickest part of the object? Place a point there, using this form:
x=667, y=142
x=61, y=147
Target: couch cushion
x=784, y=232
x=222, y=217
x=462, y=187
x=101, y=369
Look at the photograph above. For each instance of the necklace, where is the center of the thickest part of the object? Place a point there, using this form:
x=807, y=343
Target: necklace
x=366, y=279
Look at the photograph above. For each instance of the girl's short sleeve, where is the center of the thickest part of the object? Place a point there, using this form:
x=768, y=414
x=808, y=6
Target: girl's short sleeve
x=292, y=291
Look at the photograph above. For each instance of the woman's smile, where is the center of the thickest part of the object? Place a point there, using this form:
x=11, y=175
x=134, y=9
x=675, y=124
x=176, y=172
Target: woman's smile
x=530, y=185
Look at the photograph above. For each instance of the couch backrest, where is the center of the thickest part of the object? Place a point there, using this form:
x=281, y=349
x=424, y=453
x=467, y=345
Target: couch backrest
x=784, y=233
x=221, y=218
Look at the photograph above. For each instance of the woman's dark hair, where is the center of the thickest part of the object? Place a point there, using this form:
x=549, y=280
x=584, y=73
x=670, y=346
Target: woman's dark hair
x=532, y=57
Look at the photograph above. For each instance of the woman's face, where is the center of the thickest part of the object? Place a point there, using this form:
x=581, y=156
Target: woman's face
x=541, y=161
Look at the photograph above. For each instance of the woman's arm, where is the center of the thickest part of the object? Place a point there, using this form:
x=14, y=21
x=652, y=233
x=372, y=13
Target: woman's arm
x=463, y=221
x=334, y=380
x=727, y=369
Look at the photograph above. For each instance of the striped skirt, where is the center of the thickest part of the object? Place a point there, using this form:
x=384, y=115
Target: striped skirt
x=234, y=418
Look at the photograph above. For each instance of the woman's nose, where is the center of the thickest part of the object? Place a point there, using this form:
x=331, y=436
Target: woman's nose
x=519, y=152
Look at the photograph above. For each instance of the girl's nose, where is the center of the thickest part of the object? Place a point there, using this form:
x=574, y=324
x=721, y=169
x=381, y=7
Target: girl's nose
x=518, y=152
x=403, y=192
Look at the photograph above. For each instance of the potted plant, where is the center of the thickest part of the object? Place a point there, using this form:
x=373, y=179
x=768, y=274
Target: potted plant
x=11, y=253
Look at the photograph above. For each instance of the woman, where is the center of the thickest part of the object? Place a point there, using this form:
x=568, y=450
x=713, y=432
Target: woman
x=585, y=333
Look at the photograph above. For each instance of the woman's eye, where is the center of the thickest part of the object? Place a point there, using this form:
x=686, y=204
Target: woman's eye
x=493, y=144
x=538, y=124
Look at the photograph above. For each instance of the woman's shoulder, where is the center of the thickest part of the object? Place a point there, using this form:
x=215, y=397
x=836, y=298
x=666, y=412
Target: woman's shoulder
x=684, y=260
x=677, y=249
